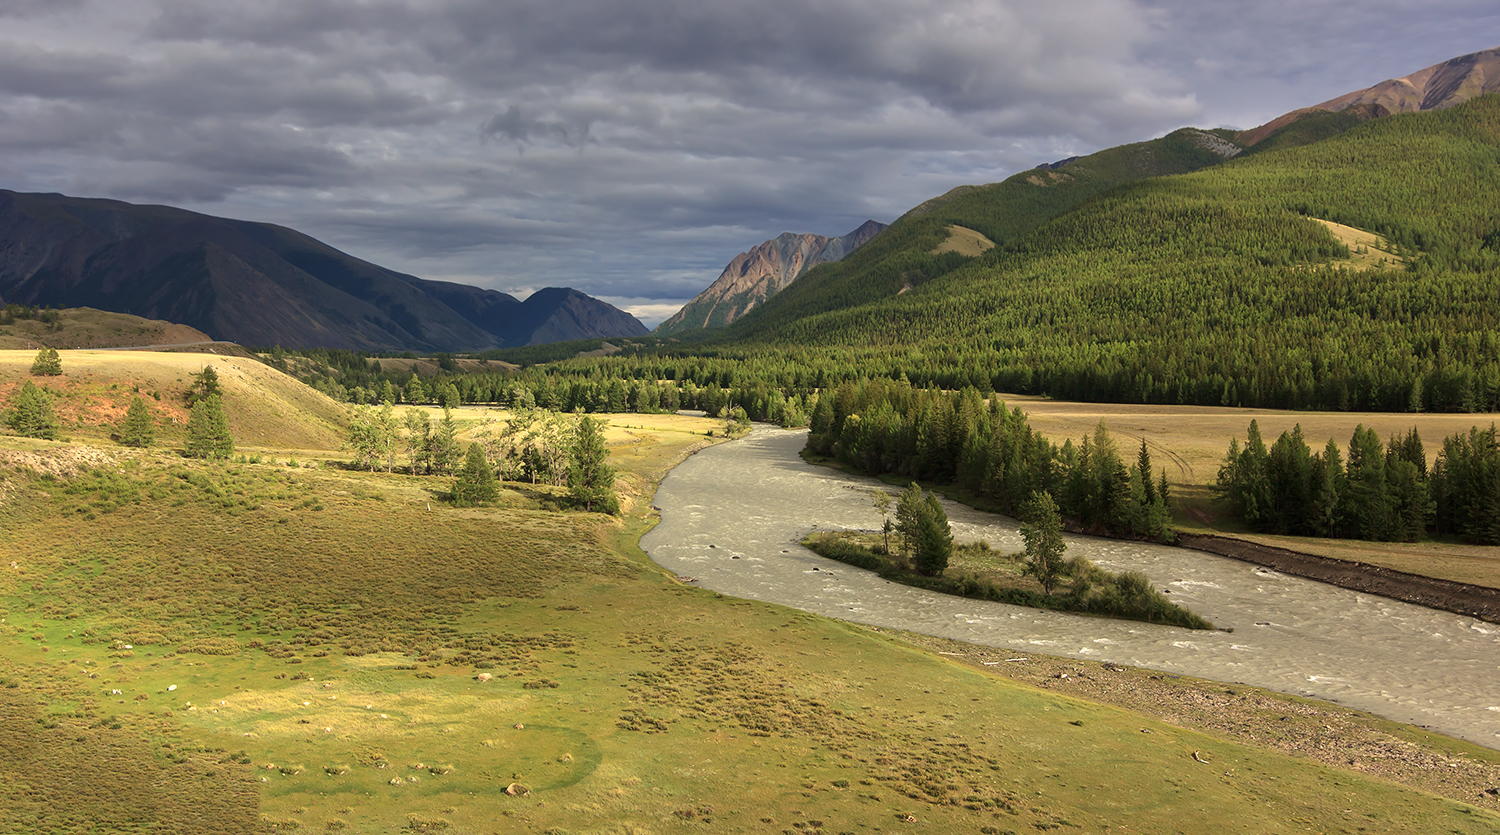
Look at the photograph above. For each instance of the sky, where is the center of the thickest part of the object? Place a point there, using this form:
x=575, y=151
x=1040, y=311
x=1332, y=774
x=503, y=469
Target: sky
x=631, y=148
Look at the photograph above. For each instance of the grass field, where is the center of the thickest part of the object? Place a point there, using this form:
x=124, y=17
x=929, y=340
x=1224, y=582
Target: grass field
x=195, y=647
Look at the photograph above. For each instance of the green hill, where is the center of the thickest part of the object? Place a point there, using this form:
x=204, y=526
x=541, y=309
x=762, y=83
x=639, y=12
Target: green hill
x=1208, y=287
x=1004, y=212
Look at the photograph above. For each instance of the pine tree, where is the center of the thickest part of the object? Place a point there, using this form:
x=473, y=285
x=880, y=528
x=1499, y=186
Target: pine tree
x=442, y=445
x=476, y=481
x=1143, y=464
x=590, y=478
x=205, y=385
x=414, y=391
x=31, y=413
x=208, y=430
x=138, y=429
x=47, y=363
x=934, y=539
x=1041, y=527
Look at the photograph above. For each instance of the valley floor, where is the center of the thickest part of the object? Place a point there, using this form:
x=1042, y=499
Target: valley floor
x=292, y=645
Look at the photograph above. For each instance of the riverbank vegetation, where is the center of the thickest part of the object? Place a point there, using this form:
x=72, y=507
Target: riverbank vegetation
x=990, y=452
x=1376, y=491
x=980, y=572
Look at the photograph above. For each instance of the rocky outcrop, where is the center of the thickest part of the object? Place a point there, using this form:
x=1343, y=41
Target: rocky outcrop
x=754, y=276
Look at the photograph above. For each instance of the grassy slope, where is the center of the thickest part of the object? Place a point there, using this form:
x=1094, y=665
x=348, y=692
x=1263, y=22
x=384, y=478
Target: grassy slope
x=1198, y=280
x=266, y=408
x=318, y=634
x=85, y=327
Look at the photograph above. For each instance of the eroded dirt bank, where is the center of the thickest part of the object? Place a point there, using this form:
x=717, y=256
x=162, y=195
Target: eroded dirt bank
x=1460, y=598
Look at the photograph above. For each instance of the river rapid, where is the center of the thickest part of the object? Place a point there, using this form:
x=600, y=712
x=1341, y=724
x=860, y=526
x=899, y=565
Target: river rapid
x=733, y=514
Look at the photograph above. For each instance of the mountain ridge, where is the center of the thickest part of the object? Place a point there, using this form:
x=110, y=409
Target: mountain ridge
x=260, y=283
x=1440, y=86
x=765, y=270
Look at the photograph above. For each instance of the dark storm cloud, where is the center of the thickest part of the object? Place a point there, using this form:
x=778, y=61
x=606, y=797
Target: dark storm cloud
x=631, y=148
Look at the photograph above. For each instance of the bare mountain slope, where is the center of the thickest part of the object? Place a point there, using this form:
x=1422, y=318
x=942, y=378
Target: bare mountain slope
x=754, y=276
x=1437, y=87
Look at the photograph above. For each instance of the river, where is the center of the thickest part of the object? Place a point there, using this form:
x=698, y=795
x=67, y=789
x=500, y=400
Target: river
x=733, y=515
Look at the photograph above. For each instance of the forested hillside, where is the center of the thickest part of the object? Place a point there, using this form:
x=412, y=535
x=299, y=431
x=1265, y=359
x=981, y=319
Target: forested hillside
x=1003, y=212
x=1211, y=287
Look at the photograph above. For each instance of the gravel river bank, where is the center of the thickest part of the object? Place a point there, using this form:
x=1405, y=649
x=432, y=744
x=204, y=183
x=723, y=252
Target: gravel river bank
x=733, y=515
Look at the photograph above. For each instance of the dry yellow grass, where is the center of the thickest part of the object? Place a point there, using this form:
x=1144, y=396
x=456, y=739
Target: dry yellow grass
x=1367, y=250
x=266, y=408
x=427, y=367
x=964, y=241
x=85, y=327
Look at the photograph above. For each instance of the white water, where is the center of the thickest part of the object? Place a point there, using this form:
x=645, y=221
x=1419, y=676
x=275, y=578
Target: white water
x=733, y=515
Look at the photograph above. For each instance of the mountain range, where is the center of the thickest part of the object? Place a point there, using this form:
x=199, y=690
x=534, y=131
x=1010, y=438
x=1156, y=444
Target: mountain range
x=262, y=284
x=754, y=276
x=1333, y=258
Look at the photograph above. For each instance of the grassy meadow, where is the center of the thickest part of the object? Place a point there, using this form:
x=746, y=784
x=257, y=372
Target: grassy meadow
x=239, y=647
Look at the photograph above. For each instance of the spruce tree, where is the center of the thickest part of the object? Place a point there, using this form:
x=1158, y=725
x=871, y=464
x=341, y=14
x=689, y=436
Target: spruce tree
x=205, y=385
x=138, y=429
x=476, y=481
x=47, y=363
x=590, y=478
x=31, y=413
x=442, y=445
x=414, y=392
x=934, y=539
x=1041, y=527
x=208, y=430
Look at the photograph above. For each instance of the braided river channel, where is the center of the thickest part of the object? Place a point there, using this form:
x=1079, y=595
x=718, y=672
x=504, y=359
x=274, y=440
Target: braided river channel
x=733, y=514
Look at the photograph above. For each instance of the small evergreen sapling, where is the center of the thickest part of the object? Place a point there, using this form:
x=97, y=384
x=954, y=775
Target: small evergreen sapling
x=476, y=481
x=47, y=363
x=138, y=429
x=31, y=414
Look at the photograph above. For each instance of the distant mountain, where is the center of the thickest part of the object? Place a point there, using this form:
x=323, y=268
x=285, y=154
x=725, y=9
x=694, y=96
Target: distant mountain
x=754, y=276
x=1438, y=87
x=551, y=314
x=261, y=284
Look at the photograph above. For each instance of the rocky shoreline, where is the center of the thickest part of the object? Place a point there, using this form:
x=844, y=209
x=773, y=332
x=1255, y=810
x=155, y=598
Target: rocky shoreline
x=1479, y=602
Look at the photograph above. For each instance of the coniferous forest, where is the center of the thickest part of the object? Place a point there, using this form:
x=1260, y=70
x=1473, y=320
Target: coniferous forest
x=1372, y=490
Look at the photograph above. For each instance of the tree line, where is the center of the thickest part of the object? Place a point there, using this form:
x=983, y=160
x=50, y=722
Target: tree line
x=1371, y=490
x=989, y=452
x=540, y=446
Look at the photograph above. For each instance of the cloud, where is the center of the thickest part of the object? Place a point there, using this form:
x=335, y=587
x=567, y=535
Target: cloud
x=630, y=148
